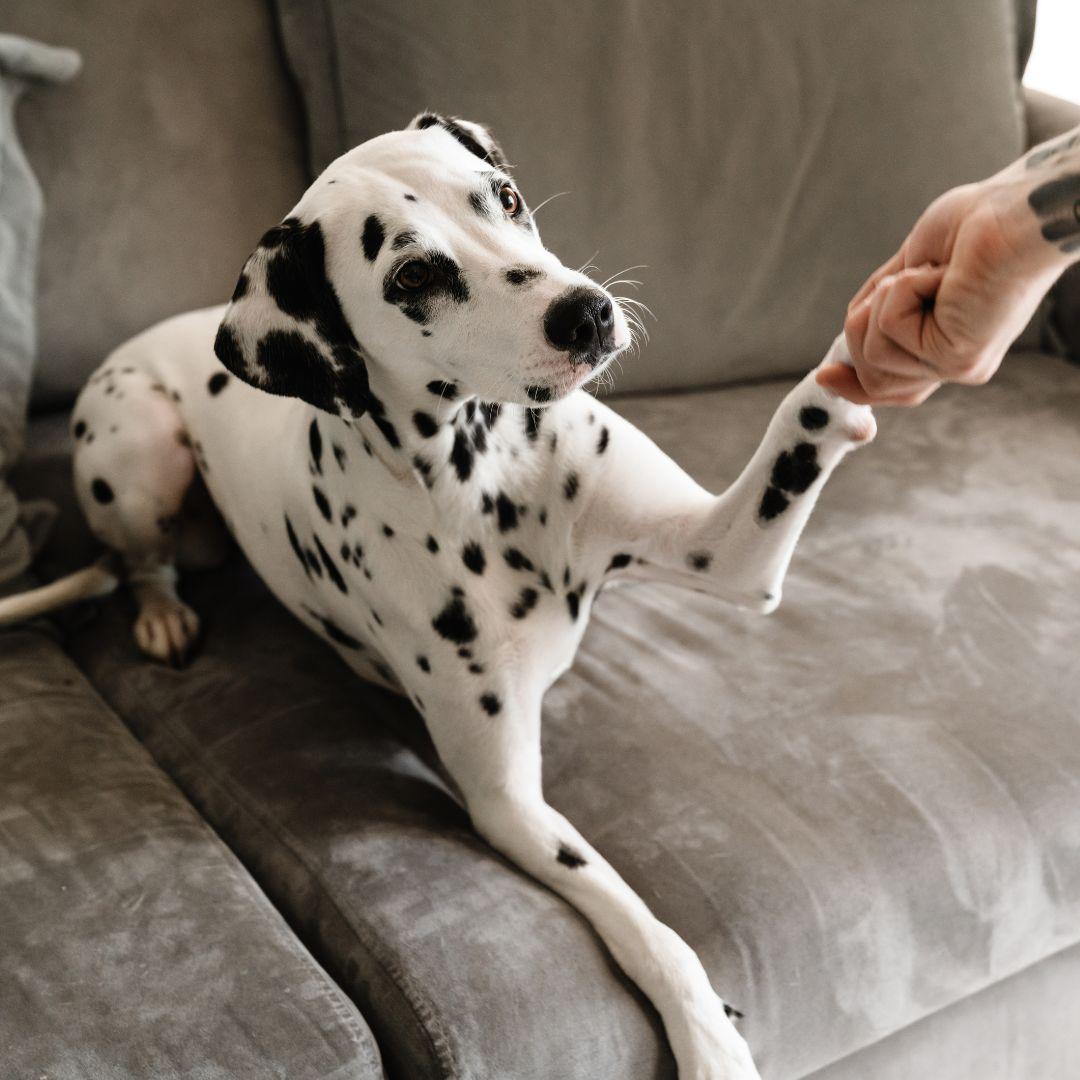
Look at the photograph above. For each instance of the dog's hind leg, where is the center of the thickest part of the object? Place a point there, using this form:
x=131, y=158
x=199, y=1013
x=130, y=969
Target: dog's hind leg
x=133, y=469
x=490, y=744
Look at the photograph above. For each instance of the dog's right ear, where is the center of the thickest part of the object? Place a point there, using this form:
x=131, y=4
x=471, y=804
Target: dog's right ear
x=284, y=330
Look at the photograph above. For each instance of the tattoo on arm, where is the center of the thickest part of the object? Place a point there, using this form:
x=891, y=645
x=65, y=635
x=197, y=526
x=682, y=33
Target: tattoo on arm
x=1057, y=203
x=1042, y=154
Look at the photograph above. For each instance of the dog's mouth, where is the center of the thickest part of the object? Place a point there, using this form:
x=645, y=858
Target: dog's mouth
x=567, y=375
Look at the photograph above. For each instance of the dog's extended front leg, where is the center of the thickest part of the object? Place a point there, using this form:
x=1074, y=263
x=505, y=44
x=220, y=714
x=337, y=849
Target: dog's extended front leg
x=493, y=754
x=736, y=545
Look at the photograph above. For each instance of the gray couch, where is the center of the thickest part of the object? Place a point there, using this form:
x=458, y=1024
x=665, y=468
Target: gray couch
x=862, y=811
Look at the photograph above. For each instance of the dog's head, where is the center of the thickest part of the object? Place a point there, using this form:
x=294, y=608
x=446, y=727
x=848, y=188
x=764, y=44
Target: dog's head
x=415, y=254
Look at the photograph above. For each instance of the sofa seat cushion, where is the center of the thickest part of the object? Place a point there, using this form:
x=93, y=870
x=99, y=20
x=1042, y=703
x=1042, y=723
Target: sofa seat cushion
x=132, y=943
x=858, y=810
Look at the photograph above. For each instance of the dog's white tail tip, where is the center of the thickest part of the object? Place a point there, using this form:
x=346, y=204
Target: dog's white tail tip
x=98, y=579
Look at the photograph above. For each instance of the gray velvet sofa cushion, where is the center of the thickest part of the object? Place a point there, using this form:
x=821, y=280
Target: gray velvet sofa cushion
x=860, y=810
x=162, y=165
x=1022, y=1028
x=759, y=158
x=132, y=943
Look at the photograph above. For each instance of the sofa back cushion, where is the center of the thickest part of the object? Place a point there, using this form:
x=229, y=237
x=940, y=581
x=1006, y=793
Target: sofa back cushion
x=760, y=159
x=177, y=146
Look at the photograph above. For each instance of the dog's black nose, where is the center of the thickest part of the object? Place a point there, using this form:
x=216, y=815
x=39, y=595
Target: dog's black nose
x=582, y=323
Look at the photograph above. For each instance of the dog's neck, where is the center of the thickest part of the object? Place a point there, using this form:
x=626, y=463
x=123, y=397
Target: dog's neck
x=419, y=430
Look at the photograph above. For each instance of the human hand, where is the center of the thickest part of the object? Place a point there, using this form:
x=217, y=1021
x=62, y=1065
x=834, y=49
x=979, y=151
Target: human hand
x=950, y=302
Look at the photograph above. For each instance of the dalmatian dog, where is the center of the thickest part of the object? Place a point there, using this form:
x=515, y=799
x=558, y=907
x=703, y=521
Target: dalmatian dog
x=390, y=417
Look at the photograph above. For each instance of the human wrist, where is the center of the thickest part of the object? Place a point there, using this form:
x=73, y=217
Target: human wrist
x=1048, y=179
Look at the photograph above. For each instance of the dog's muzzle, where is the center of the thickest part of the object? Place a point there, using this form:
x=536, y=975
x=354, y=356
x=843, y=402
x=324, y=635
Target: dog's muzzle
x=581, y=322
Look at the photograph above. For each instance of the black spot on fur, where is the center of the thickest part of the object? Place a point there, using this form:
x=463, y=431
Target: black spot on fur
x=525, y=602
x=518, y=275
x=539, y=393
x=332, y=572
x=480, y=205
x=570, y=486
x=491, y=154
x=491, y=411
x=517, y=560
x=387, y=531
x=339, y=456
x=618, y=562
x=424, y=423
x=79, y=430
x=294, y=543
x=533, y=418
x=446, y=390
x=423, y=663
x=241, y=287
x=796, y=470
x=294, y=367
x=432, y=544
x=812, y=418
x=573, y=604
x=217, y=382
x=388, y=430
x=461, y=455
x=472, y=555
x=476, y=669
x=602, y=442
x=373, y=237
x=322, y=503
x=568, y=857
x=507, y=513
x=404, y=239
x=410, y=198
x=490, y=703
x=336, y=634
x=313, y=562
x=315, y=442
x=454, y=622
x=699, y=560
x=731, y=1012
x=423, y=468
x=773, y=503
x=102, y=491
x=348, y=512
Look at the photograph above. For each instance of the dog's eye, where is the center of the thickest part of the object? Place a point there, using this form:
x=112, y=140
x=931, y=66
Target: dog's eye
x=510, y=199
x=413, y=275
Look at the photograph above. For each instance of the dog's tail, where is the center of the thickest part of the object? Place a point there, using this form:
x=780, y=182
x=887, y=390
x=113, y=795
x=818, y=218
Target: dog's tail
x=98, y=579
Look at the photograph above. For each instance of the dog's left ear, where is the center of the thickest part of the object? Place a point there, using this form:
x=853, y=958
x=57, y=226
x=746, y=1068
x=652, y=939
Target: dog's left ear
x=474, y=137
x=284, y=330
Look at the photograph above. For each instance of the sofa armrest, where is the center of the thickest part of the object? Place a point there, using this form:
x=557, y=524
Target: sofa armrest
x=1048, y=116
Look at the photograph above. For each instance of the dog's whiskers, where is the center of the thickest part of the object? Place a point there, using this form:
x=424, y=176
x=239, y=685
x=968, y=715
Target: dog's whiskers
x=540, y=206
x=625, y=270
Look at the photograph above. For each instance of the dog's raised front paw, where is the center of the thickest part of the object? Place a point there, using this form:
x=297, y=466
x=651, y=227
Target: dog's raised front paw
x=822, y=414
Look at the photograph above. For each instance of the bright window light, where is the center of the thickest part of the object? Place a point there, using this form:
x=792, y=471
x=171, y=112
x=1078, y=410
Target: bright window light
x=1054, y=67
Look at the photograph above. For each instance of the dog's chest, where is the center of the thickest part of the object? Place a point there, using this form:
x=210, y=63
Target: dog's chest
x=436, y=565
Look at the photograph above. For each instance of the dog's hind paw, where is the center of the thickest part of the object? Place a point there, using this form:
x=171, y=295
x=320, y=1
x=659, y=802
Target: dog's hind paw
x=166, y=629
